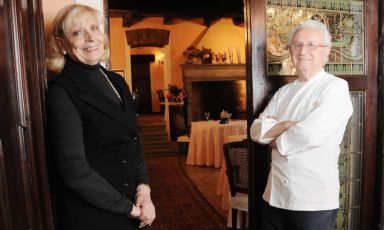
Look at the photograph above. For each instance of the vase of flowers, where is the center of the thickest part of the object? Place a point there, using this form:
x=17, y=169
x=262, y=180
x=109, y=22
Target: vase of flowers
x=224, y=117
x=192, y=55
x=175, y=94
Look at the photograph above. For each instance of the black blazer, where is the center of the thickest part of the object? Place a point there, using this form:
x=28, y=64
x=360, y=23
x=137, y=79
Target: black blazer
x=97, y=151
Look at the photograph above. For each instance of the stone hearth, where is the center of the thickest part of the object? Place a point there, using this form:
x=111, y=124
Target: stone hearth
x=212, y=87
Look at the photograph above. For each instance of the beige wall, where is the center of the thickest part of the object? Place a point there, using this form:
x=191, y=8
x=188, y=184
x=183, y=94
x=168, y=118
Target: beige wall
x=220, y=37
x=50, y=9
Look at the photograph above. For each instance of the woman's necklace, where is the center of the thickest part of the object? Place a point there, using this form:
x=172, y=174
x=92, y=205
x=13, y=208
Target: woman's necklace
x=113, y=87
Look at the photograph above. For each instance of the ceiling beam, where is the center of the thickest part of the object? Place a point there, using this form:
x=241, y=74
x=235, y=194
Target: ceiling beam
x=130, y=19
x=169, y=20
x=238, y=21
x=208, y=21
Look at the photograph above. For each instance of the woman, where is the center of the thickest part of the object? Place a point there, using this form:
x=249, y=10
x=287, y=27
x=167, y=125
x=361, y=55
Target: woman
x=102, y=181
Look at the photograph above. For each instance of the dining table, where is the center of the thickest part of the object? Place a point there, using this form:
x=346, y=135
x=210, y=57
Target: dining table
x=207, y=139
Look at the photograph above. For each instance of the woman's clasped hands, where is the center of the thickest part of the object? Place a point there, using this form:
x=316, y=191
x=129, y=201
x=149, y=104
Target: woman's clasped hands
x=144, y=210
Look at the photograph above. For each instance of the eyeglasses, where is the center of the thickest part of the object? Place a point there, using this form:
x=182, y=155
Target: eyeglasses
x=310, y=45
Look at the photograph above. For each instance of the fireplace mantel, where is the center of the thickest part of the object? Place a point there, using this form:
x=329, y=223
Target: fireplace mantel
x=209, y=72
x=213, y=72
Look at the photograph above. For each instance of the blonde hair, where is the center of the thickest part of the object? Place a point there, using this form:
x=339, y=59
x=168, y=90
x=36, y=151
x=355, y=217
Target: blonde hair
x=60, y=28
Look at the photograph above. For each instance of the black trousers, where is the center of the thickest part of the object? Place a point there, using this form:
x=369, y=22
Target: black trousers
x=282, y=219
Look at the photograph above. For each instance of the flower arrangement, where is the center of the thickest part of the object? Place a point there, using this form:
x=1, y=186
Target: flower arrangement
x=207, y=55
x=175, y=93
x=194, y=55
x=224, y=117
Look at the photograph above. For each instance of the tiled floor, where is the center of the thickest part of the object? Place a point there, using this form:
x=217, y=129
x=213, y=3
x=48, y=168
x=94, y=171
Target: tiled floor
x=205, y=179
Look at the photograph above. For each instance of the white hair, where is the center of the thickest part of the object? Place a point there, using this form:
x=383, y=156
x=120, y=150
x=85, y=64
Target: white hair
x=311, y=24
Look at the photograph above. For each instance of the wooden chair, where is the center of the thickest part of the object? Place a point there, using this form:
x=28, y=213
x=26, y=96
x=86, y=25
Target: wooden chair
x=160, y=93
x=236, y=160
x=179, y=127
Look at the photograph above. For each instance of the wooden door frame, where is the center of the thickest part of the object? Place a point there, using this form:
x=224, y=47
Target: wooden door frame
x=23, y=175
x=258, y=86
x=379, y=217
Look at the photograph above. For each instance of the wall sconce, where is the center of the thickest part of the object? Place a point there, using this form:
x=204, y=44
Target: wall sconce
x=160, y=58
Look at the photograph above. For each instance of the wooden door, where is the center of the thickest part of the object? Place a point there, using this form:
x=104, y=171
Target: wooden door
x=141, y=82
x=362, y=80
x=24, y=193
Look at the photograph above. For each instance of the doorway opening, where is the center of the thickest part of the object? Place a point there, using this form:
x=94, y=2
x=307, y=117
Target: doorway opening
x=141, y=82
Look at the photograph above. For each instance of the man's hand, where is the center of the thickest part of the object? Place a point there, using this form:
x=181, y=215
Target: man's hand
x=279, y=128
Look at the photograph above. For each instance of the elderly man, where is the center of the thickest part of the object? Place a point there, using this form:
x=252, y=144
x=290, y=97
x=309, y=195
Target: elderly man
x=304, y=123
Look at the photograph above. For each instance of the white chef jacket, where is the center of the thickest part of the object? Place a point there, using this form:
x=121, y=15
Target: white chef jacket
x=304, y=171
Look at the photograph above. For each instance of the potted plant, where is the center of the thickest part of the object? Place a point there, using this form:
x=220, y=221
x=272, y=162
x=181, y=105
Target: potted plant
x=175, y=94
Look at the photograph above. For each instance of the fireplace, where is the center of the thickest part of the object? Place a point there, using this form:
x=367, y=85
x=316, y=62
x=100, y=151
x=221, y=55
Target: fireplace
x=213, y=88
x=215, y=96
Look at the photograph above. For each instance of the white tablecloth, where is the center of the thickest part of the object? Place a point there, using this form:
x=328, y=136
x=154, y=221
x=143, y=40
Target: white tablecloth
x=207, y=139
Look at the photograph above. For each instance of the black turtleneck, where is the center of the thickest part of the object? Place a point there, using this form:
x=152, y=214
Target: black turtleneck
x=95, y=76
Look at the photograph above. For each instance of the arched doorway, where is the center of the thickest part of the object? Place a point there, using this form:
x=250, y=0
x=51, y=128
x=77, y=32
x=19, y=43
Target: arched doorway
x=148, y=65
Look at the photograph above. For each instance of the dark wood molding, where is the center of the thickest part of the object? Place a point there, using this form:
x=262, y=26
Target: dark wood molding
x=238, y=21
x=191, y=9
x=169, y=20
x=172, y=12
x=4, y=197
x=147, y=37
x=130, y=19
x=257, y=97
x=379, y=217
x=23, y=140
x=208, y=21
x=369, y=183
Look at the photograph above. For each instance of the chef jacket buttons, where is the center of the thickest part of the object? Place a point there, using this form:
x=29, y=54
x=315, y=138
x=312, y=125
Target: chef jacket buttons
x=125, y=184
x=135, y=138
x=124, y=162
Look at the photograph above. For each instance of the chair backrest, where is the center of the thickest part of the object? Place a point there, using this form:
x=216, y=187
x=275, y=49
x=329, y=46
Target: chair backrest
x=236, y=160
x=160, y=93
x=178, y=116
x=185, y=114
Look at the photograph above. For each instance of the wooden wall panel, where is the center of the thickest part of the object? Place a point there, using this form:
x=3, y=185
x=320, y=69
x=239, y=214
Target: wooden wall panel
x=25, y=191
x=4, y=197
